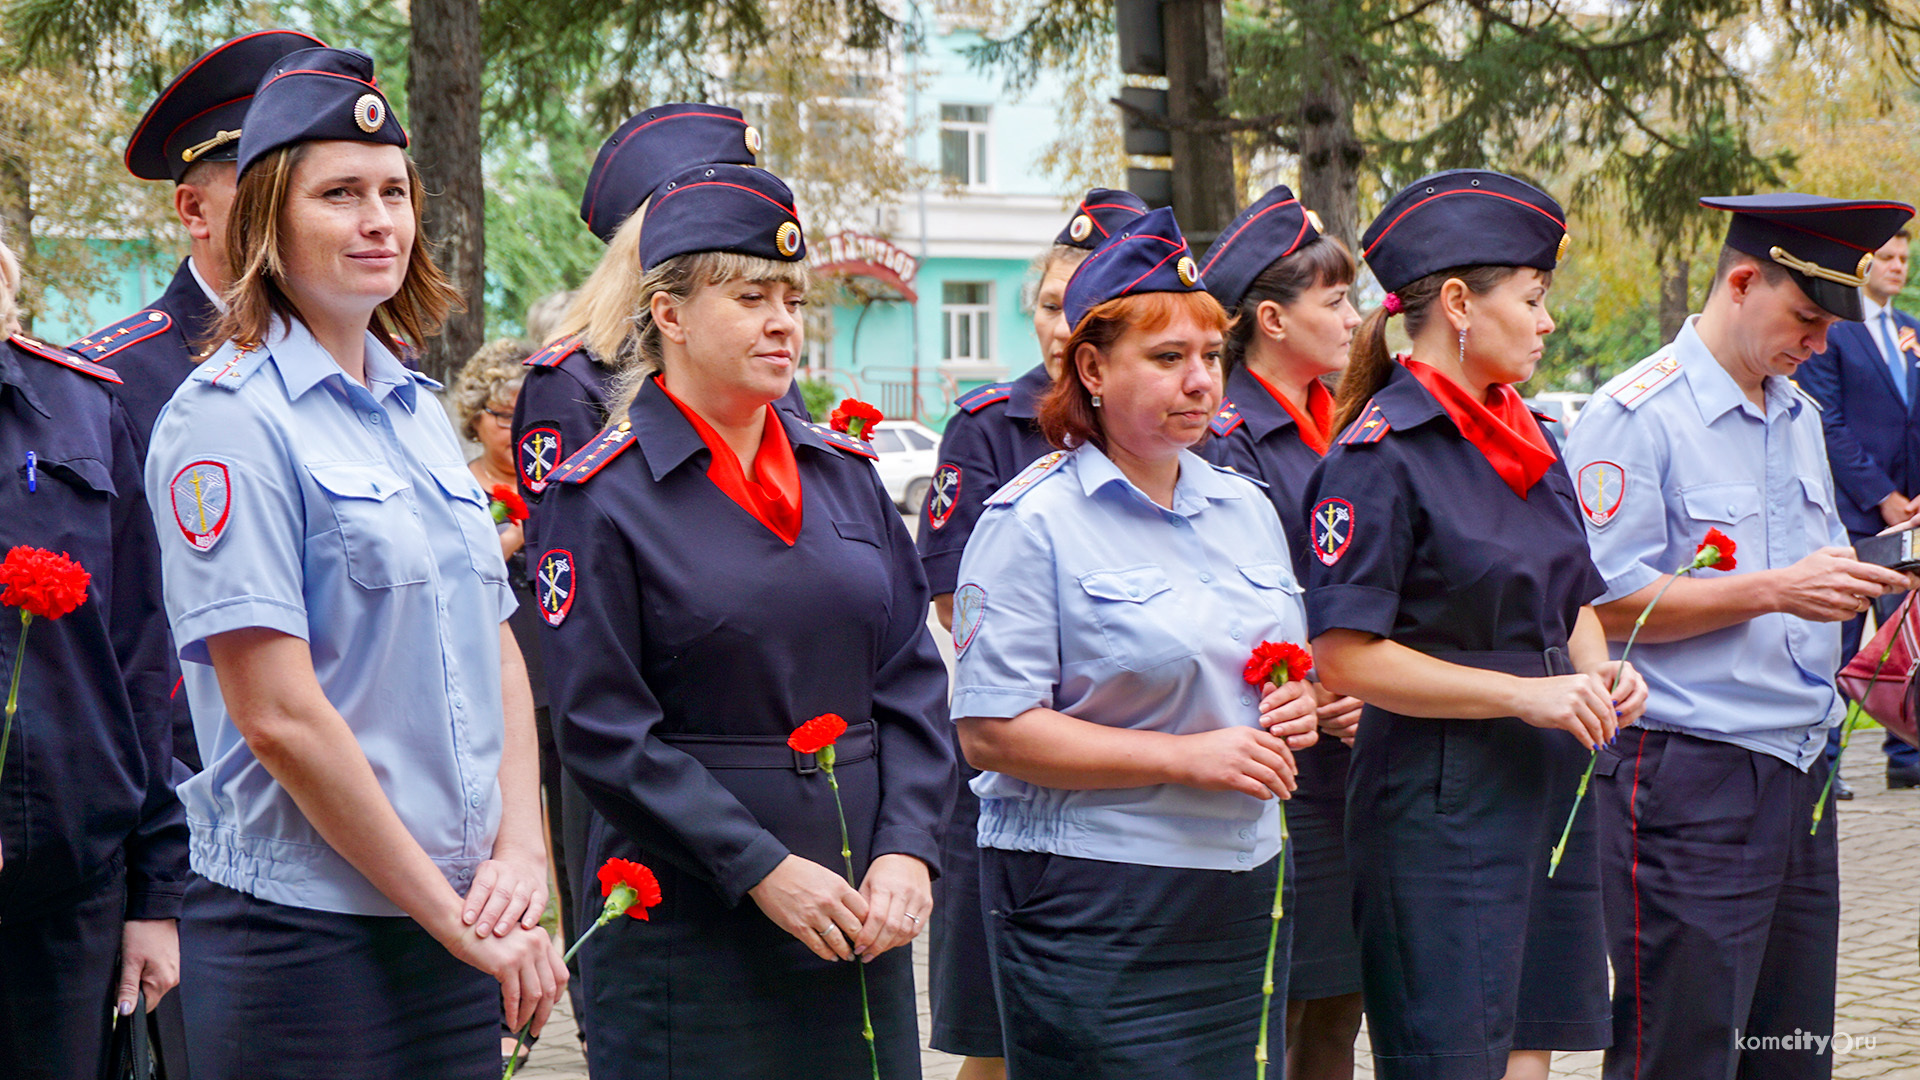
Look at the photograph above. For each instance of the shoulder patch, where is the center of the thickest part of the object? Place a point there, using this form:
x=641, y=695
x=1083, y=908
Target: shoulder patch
x=1226, y=420
x=1331, y=529
x=1018, y=486
x=230, y=366
x=1602, y=486
x=943, y=495
x=554, y=583
x=64, y=358
x=114, y=337
x=969, y=610
x=982, y=396
x=1370, y=427
x=202, y=499
x=1633, y=387
x=539, y=452
x=840, y=440
x=592, y=457
x=554, y=353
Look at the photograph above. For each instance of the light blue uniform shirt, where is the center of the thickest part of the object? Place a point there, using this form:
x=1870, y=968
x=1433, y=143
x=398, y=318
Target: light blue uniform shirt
x=1671, y=449
x=1078, y=593
x=289, y=496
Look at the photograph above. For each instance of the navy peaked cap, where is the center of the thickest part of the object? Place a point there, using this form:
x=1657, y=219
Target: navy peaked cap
x=1824, y=244
x=1147, y=255
x=317, y=94
x=1463, y=217
x=663, y=141
x=1101, y=213
x=1274, y=227
x=199, y=116
x=722, y=207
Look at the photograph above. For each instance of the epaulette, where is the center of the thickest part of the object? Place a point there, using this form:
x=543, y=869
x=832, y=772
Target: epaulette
x=594, y=456
x=1226, y=420
x=840, y=440
x=229, y=371
x=554, y=353
x=1804, y=396
x=1370, y=427
x=1632, y=387
x=1027, y=477
x=1237, y=474
x=114, y=337
x=65, y=358
x=982, y=396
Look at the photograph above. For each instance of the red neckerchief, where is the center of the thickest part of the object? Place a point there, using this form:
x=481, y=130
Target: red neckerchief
x=1504, y=428
x=1316, y=422
x=773, y=496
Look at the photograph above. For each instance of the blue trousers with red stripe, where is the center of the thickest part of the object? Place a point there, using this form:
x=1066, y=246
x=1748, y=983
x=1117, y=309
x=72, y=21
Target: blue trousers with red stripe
x=1723, y=911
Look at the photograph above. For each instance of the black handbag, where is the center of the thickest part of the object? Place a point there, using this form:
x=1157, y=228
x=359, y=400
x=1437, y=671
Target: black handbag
x=131, y=1050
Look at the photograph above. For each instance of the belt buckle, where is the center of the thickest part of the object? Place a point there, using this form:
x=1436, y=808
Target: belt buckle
x=804, y=764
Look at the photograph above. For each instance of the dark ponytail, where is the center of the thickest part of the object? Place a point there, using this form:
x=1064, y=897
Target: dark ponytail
x=1369, y=363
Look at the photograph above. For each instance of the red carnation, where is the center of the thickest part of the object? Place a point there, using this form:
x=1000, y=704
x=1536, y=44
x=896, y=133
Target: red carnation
x=646, y=887
x=1290, y=661
x=507, y=505
x=817, y=734
x=1715, y=552
x=42, y=583
x=856, y=418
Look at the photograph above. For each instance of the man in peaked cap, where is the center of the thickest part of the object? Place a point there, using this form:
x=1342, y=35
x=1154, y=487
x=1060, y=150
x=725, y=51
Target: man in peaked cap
x=1719, y=863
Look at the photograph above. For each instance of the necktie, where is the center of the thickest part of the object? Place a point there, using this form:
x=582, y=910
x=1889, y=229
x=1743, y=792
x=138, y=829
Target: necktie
x=1896, y=364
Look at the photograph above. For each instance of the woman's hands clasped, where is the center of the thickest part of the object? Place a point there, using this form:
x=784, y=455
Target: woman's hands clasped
x=824, y=913
x=1581, y=704
x=1253, y=761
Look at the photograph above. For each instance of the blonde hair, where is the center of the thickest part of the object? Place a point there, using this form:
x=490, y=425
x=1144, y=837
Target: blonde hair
x=493, y=373
x=601, y=312
x=678, y=279
x=9, y=286
x=254, y=251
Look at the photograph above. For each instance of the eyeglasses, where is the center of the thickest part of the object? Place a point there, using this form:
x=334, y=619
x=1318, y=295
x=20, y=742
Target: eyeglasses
x=503, y=417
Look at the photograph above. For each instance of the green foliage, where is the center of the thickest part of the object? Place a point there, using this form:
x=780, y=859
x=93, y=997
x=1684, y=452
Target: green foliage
x=821, y=397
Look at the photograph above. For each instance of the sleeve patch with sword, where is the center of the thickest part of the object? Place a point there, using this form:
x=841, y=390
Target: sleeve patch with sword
x=553, y=586
x=202, y=500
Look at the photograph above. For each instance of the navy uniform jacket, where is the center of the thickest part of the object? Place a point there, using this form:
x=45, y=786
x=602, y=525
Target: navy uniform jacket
x=991, y=437
x=1873, y=439
x=154, y=350
x=88, y=778
x=680, y=622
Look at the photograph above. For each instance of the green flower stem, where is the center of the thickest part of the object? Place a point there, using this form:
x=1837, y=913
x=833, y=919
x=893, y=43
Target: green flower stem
x=1560, y=849
x=1854, y=712
x=1273, y=933
x=618, y=901
x=825, y=757
x=13, y=688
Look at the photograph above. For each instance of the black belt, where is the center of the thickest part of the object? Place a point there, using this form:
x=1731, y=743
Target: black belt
x=769, y=751
x=1550, y=661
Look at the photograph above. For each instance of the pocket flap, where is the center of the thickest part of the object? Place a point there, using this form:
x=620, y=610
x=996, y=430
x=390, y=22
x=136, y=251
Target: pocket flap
x=1135, y=583
x=1271, y=575
x=864, y=531
x=1605, y=763
x=1722, y=502
x=1817, y=493
x=89, y=473
x=357, y=480
x=458, y=481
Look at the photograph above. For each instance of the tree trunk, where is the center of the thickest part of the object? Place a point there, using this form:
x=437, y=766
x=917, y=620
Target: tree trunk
x=443, y=103
x=1674, y=306
x=1205, y=195
x=1330, y=155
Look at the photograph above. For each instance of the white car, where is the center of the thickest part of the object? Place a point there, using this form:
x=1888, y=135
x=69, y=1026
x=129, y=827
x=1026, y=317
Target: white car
x=1562, y=405
x=909, y=453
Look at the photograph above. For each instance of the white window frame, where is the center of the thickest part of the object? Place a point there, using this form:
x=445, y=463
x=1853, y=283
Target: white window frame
x=979, y=136
x=979, y=317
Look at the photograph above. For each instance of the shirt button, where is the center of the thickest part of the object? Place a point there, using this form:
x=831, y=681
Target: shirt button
x=473, y=801
x=1206, y=577
x=1135, y=593
x=1246, y=699
x=1246, y=834
x=374, y=418
x=1236, y=635
x=1243, y=857
x=1729, y=508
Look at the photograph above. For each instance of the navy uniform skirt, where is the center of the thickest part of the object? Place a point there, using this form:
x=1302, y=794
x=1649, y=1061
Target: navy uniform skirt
x=1326, y=952
x=704, y=991
x=960, y=977
x=284, y=993
x=1113, y=971
x=1468, y=950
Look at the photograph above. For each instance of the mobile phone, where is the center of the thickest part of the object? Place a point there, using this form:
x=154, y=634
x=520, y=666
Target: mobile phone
x=1895, y=551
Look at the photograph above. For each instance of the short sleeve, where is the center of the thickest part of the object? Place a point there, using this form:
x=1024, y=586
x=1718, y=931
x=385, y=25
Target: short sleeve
x=1627, y=537
x=1006, y=620
x=1359, y=542
x=228, y=509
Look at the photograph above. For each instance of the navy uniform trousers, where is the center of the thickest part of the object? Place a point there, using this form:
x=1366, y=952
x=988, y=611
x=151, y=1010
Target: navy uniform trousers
x=1723, y=909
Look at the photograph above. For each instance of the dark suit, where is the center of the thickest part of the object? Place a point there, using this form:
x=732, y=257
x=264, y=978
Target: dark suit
x=1873, y=444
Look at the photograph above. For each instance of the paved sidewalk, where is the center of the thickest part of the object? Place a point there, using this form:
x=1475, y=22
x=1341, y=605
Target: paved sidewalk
x=1879, y=1003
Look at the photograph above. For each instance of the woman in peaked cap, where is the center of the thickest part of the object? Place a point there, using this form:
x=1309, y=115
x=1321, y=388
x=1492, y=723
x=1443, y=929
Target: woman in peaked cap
x=715, y=573
x=367, y=827
x=1449, y=588
x=1286, y=286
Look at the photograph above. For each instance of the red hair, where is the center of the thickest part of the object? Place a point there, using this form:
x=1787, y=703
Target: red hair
x=1067, y=416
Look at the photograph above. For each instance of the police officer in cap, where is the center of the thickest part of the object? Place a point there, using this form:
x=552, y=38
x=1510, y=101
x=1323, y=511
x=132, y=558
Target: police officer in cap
x=716, y=572
x=993, y=434
x=1448, y=587
x=1722, y=894
x=93, y=843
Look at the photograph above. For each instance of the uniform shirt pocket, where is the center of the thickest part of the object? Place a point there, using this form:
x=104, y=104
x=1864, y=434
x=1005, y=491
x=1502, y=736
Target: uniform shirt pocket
x=1138, y=614
x=1731, y=507
x=384, y=541
x=477, y=529
x=1819, y=513
x=1275, y=584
